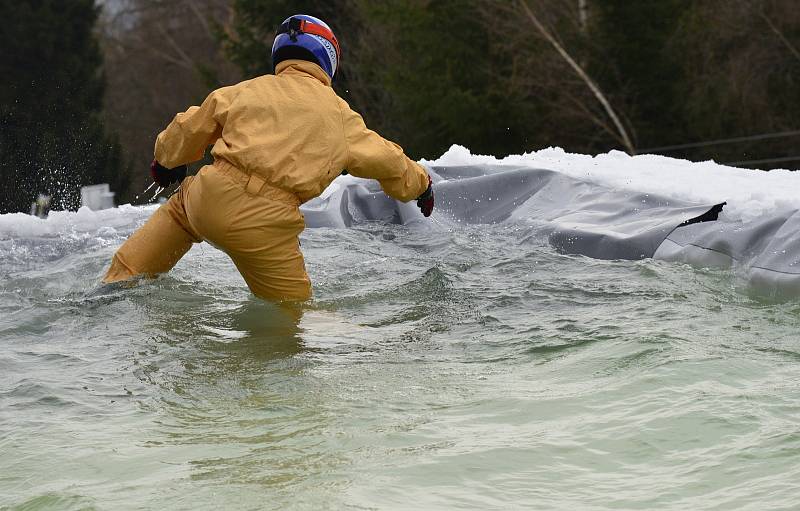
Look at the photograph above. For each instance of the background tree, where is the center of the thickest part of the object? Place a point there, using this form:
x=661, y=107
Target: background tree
x=558, y=103
x=419, y=71
x=431, y=73
x=631, y=56
x=52, y=139
x=433, y=68
x=161, y=57
x=740, y=75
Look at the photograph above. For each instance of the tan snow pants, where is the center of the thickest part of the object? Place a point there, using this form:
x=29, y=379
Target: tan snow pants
x=256, y=224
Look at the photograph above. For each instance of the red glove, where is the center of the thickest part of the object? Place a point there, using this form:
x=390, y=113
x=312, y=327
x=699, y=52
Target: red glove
x=425, y=201
x=164, y=176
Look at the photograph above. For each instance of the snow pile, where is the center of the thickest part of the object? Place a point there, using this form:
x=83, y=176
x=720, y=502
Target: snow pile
x=749, y=193
x=106, y=221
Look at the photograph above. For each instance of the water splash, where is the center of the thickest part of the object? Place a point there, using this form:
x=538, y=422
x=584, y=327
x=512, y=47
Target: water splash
x=146, y=190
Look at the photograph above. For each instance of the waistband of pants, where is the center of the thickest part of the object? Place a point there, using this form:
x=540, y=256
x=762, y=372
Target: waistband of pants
x=256, y=185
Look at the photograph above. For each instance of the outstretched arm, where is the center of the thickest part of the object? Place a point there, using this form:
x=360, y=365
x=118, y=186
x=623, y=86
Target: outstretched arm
x=188, y=135
x=372, y=156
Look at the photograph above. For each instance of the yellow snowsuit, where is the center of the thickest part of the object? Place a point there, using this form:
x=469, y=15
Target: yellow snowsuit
x=278, y=141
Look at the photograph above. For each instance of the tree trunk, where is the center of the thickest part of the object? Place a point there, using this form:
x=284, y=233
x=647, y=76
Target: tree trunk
x=621, y=132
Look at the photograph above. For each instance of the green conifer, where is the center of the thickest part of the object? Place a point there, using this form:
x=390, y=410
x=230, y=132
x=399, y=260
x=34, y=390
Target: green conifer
x=52, y=139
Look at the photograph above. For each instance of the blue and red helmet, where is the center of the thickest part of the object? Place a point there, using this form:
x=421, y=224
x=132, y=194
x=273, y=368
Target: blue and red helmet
x=307, y=38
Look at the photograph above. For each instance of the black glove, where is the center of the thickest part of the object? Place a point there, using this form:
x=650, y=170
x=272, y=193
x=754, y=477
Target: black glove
x=425, y=201
x=164, y=176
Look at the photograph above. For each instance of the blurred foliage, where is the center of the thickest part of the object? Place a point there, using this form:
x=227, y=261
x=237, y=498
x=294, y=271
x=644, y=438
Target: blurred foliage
x=431, y=73
x=160, y=58
x=740, y=62
x=434, y=61
x=52, y=139
x=633, y=59
x=424, y=73
x=420, y=72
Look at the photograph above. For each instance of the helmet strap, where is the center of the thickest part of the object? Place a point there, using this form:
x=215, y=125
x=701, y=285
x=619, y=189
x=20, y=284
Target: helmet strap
x=295, y=27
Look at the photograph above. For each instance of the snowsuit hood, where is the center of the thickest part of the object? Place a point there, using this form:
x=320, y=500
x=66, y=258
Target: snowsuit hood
x=303, y=66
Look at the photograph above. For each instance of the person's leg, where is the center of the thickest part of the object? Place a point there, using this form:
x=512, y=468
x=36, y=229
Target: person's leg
x=158, y=245
x=275, y=270
x=259, y=234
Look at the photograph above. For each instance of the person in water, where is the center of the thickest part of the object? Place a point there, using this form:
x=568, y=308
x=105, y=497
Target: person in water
x=278, y=141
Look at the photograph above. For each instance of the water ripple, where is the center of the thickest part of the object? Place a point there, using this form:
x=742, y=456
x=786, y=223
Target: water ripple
x=465, y=369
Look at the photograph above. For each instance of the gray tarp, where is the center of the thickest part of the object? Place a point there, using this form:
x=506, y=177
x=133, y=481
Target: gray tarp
x=578, y=217
x=581, y=217
x=765, y=252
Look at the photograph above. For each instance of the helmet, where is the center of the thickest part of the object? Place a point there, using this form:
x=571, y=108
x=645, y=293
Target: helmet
x=307, y=38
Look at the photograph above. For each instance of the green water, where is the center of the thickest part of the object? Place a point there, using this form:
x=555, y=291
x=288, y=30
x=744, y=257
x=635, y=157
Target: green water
x=472, y=369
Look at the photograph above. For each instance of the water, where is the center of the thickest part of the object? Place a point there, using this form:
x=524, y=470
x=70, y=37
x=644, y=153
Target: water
x=470, y=369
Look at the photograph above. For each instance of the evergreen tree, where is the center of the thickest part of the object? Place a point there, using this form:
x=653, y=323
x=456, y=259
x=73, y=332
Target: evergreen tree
x=420, y=73
x=742, y=77
x=430, y=73
x=52, y=139
x=435, y=62
x=635, y=60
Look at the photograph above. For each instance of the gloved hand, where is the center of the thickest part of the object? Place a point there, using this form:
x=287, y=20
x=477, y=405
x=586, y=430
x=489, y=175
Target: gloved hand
x=164, y=176
x=425, y=201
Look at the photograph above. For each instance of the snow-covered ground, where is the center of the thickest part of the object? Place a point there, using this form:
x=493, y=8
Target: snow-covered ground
x=750, y=193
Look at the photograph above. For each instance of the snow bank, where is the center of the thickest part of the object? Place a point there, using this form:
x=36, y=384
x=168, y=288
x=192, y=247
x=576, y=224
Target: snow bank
x=106, y=221
x=749, y=193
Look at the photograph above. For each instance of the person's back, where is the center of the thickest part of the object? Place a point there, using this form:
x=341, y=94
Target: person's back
x=285, y=127
x=298, y=120
x=278, y=140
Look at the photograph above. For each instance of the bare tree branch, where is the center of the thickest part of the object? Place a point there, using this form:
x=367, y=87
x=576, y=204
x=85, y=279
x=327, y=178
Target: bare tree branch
x=200, y=18
x=175, y=46
x=622, y=132
x=779, y=33
x=586, y=111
